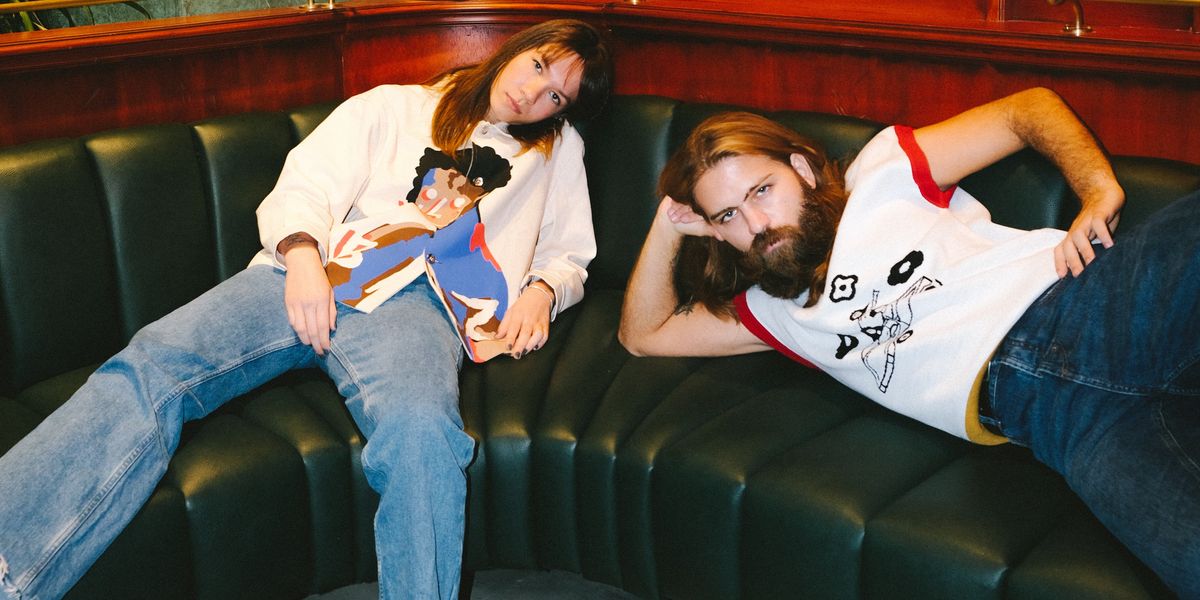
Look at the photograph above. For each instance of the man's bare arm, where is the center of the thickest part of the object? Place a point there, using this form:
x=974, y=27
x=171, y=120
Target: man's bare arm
x=650, y=325
x=1036, y=118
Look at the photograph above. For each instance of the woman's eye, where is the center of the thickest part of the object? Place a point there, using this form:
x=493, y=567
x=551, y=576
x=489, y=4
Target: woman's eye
x=554, y=97
x=537, y=65
x=762, y=189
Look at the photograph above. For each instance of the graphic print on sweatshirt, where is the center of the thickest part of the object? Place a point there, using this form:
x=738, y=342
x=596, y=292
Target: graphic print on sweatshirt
x=435, y=230
x=881, y=328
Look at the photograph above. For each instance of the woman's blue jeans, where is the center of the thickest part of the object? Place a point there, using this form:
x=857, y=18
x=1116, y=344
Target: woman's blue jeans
x=1101, y=380
x=76, y=481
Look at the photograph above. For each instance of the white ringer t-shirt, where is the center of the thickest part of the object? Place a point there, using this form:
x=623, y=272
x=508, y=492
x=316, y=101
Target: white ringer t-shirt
x=921, y=289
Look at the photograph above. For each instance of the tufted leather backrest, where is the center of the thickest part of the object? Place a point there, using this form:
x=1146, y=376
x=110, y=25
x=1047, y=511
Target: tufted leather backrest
x=101, y=235
x=104, y=234
x=58, y=290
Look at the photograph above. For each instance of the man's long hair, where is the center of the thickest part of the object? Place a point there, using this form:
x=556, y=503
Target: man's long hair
x=712, y=272
x=468, y=89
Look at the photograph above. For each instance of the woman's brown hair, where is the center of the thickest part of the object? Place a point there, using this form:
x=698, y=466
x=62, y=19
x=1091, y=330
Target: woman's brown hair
x=709, y=271
x=468, y=89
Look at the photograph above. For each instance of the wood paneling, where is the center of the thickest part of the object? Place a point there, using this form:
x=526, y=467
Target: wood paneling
x=961, y=12
x=62, y=87
x=1136, y=86
x=378, y=55
x=1132, y=113
x=1105, y=14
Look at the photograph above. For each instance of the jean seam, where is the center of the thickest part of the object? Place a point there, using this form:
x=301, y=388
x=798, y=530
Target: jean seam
x=355, y=378
x=110, y=484
x=187, y=385
x=1036, y=369
x=140, y=449
x=1039, y=372
x=1168, y=438
x=1183, y=366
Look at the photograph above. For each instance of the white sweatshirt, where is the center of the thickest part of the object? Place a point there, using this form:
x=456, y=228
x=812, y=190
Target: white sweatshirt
x=360, y=166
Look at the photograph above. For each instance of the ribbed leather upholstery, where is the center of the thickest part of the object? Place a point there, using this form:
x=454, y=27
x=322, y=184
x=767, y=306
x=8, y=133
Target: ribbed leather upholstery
x=741, y=477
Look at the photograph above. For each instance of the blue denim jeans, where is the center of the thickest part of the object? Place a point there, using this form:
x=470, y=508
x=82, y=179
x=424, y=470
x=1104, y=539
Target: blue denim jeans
x=76, y=481
x=1100, y=378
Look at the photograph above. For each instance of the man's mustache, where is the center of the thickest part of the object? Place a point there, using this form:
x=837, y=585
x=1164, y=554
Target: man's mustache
x=768, y=237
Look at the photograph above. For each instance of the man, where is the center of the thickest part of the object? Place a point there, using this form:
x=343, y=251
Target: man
x=1086, y=351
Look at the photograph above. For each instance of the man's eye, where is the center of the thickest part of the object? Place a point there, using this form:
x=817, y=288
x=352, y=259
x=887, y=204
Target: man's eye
x=727, y=215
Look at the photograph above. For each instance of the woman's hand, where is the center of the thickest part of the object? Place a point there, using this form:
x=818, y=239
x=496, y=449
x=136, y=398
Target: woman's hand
x=526, y=325
x=684, y=220
x=309, y=297
x=1096, y=221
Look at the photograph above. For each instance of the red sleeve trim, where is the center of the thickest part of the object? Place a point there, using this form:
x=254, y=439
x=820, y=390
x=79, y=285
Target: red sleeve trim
x=751, y=323
x=922, y=176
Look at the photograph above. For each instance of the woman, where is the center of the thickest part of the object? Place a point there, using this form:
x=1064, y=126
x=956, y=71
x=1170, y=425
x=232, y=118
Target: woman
x=507, y=164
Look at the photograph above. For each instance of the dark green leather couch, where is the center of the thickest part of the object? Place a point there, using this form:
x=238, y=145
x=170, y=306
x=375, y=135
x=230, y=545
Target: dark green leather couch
x=746, y=477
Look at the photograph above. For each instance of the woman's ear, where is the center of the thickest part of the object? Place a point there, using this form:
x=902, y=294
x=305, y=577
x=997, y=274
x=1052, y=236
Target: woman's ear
x=803, y=168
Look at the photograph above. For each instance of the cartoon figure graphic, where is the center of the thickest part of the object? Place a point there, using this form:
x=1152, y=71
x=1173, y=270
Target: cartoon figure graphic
x=886, y=325
x=435, y=230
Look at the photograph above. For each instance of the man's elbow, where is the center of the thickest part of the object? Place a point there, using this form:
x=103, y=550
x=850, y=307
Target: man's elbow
x=1035, y=97
x=633, y=343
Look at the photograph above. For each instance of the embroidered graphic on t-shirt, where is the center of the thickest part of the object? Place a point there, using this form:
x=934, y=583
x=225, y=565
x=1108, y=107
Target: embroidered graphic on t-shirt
x=902, y=271
x=842, y=288
x=435, y=230
x=884, y=326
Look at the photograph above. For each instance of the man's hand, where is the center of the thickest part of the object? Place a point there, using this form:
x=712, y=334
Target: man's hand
x=308, y=296
x=526, y=324
x=1096, y=221
x=683, y=218
x=650, y=325
x=1035, y=118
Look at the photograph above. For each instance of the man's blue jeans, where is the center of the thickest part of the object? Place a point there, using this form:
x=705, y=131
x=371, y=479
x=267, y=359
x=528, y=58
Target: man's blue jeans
x=1101, y=380
x=78, y=479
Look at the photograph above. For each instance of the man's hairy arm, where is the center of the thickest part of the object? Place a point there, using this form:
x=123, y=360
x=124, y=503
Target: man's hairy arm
x=650, y=325
x=1036, y=118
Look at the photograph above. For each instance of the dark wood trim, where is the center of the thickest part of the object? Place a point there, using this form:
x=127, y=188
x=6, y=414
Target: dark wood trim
x=1127, y=50
x=1111, y=50
x=1135, y=86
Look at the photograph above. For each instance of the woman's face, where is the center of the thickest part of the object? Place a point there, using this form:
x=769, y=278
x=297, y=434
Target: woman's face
x=528, y=89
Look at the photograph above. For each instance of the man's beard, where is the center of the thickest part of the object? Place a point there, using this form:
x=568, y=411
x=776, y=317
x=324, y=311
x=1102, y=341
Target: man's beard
x=787, y=271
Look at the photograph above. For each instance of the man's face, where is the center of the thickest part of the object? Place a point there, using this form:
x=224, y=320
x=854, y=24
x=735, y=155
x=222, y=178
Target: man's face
x=758, y=205
x=747, y=195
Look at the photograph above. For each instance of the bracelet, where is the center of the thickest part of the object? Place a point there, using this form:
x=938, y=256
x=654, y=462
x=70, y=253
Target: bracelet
x=543, y=290
x=299, y=238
